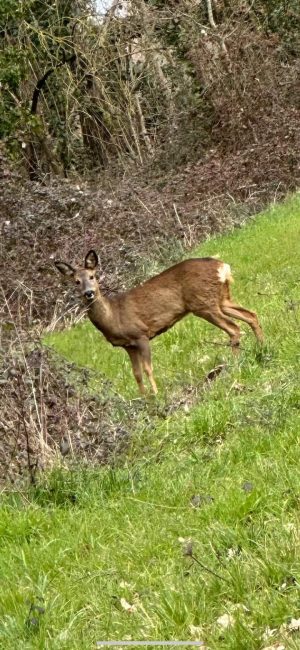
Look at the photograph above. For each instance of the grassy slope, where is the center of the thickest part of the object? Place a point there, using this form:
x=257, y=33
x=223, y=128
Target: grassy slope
x=121, y=537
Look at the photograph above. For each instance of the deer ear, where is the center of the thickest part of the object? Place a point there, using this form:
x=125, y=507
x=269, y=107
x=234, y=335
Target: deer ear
x=91, y=260
x=64, y=268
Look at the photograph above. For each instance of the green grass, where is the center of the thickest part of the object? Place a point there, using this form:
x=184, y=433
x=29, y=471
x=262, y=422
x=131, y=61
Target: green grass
x=83, y=539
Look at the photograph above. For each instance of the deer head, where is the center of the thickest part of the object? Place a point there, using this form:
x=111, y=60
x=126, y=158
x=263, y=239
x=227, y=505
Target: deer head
x=84, y=278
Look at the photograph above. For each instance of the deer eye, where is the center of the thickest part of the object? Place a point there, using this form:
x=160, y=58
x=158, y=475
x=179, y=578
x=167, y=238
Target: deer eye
x=77, y=281
x=92, y=277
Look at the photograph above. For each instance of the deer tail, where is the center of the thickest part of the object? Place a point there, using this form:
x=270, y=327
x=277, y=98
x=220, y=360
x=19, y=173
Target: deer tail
x=224, y=272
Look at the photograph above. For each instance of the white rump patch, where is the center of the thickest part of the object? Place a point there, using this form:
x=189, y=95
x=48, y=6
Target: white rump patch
x=224, y=273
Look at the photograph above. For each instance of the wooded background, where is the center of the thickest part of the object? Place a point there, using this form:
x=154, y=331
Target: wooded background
x=163, y=82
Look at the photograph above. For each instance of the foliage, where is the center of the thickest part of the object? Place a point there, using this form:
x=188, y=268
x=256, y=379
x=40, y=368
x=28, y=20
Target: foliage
x=127, y=87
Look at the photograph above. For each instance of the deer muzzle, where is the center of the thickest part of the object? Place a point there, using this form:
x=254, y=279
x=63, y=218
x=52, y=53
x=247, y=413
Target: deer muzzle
x=89, y=294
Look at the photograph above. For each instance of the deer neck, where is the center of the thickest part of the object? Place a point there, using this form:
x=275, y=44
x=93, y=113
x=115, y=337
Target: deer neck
x=100, y=311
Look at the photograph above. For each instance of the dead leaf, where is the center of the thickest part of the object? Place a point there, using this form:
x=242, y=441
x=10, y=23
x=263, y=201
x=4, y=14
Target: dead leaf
x=225, y=621
x=294, y=625
x=214, y=372
x=204, y=359
x=232, y=553
x=238, y=388
x=196, y=631
x=289, y=581
x=277, y=646
x=127, y=606
x=269, y=632
x=240, y=607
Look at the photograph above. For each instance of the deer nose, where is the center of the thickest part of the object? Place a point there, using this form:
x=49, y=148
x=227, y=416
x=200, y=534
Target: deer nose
x=89, y=294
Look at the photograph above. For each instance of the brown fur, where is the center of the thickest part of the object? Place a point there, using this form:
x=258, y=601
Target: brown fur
x=132, y=318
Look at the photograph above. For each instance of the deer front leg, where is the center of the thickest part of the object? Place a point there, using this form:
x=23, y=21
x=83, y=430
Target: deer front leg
x=136, y=362
x=145, y=353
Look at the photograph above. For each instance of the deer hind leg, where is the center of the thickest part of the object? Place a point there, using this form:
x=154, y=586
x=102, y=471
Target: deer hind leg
x=250, y=317
x=218, y=318
x=145, y=352
x=136, y=362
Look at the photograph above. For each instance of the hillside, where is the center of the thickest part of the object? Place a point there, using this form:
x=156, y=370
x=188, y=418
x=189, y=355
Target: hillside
x=197, y=516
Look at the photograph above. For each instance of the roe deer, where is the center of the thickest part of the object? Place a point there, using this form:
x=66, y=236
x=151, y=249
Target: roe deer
x=131, y=319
